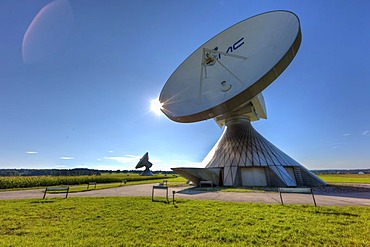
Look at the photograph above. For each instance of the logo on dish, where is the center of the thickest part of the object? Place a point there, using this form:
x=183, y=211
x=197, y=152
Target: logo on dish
x=232, y=48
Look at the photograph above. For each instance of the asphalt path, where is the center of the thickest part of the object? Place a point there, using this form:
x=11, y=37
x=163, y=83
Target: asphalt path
x=322, y=198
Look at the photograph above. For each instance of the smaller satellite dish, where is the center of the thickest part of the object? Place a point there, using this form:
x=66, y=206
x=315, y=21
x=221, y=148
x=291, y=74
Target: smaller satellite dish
x=144, y=162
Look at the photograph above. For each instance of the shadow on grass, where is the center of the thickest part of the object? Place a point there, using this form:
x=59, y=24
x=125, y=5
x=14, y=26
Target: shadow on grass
x=161, y=200
x=337, y=213
x=43, y=201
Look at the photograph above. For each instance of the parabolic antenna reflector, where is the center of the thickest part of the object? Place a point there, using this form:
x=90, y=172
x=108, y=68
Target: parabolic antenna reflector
x=232, y=68
x=144, y=162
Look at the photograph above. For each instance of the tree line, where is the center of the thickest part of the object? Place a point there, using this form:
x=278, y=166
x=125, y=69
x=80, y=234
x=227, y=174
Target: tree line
x=49, y=172
x=68, y=172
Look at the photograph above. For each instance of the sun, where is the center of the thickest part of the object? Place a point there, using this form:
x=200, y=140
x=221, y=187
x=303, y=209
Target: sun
x=155, y=107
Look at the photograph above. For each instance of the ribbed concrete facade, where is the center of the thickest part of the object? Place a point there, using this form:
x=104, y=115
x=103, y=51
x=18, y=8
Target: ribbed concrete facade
x=243, y=157
x=246, y=158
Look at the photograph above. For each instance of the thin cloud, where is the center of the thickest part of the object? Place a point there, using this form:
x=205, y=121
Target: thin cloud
x=110, y=167
x=186, y=163
x=133, y=156
x=130, y=159
x=347, y=134
x=67, y=158
x=61, y=167
x=366, y=133
x=336, y=145
x=31, y=152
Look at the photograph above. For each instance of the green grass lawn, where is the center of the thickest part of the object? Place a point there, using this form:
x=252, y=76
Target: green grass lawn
x=172, y=182
x=137, y=221
x=346, y=178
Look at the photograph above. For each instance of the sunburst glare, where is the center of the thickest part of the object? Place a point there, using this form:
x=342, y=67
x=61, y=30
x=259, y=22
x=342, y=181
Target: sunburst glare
x=155, y=107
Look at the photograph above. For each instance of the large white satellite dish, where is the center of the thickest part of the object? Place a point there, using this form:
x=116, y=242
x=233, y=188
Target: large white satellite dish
x=232, y=68
x=224, y=79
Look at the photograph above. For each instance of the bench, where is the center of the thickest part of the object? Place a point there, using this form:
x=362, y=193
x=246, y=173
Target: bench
x=296, y=190
x=91, y=183
x=205, y=182
x=66, y=189
x=164, y=183
x=160, y=187
x=123, y=182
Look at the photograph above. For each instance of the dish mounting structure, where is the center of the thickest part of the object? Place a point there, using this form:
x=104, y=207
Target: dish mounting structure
x=224, y=79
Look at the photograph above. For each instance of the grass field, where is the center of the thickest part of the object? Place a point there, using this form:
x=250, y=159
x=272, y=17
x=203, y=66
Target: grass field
x=136, y=221
x=346, y=178
x=172, y=182
x=43, y=181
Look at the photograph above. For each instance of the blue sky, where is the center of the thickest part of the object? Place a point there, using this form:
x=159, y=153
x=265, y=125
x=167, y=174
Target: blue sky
x=77, y=78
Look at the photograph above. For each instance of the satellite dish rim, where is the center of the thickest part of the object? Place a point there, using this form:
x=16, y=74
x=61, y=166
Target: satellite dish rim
x=248, y=93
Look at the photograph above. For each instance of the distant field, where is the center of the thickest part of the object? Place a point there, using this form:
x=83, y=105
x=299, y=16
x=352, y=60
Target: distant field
x=43, y=181
x=346, y=178
x=136, y=221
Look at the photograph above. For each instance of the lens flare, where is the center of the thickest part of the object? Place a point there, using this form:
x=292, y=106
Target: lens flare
x=48, y=33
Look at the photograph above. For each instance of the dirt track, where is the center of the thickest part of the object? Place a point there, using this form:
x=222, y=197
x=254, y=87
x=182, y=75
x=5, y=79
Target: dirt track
x=327, y=198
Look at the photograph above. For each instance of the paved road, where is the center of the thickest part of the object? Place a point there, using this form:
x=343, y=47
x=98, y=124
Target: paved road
x=322, y=199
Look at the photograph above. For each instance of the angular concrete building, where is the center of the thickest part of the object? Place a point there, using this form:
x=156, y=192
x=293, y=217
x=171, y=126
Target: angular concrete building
x=243, y=157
